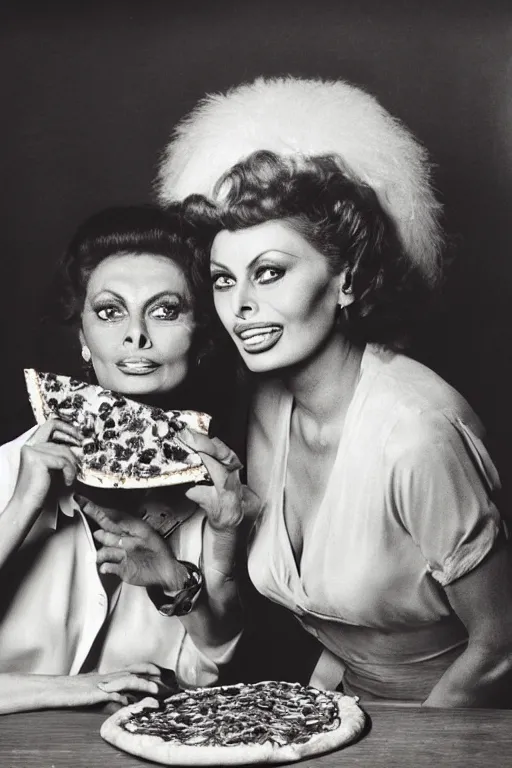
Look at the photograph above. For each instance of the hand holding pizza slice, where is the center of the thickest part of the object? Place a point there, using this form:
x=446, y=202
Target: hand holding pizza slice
x=228, y=501
x=225, y=503
x=45, y=455
x=125, y=444
x=48, y=450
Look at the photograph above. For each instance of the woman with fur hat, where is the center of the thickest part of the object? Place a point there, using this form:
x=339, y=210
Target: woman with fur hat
x=377, y=526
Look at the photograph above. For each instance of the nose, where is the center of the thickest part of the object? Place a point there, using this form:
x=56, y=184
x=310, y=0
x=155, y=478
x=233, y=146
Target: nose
x=137, y=335
x=244, y=300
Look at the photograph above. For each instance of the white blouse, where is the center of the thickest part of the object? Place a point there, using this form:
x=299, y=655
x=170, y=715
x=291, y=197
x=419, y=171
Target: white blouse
x=407, y=509
x=54, y=603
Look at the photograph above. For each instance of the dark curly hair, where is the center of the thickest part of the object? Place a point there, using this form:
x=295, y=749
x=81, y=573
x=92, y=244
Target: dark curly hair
x=343, y=219
x=143, y=229
x=148, y=229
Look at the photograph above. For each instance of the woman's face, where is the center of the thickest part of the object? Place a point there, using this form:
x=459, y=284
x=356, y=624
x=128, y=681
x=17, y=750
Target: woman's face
x=138, y=323
x=274, y=293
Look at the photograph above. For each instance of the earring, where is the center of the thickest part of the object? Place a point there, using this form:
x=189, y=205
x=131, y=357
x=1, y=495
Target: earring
x=347, y=283
x=86, y=354
x=345, y=295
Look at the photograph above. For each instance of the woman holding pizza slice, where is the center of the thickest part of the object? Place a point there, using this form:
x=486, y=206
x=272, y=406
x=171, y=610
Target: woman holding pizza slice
x=96, y=604
x=377, y=528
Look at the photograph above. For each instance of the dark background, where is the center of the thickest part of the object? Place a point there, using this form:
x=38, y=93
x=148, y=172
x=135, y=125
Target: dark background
x=90, y=93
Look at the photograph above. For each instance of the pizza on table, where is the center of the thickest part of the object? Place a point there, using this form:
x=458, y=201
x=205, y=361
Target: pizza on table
x=267, y=722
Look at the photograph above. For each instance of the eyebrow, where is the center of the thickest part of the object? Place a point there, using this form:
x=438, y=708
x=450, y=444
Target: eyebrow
x=259, y=256
x=154, y=298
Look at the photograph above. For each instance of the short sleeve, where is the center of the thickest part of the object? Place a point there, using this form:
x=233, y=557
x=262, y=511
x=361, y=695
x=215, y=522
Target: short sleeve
x=442, y=486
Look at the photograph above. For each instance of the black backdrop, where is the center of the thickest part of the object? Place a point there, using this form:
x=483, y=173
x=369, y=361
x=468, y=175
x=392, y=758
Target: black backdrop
x=90, y=92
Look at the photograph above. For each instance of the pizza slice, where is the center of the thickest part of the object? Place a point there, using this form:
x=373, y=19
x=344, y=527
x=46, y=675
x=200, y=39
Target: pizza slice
x=126, y=444
x=266, y=722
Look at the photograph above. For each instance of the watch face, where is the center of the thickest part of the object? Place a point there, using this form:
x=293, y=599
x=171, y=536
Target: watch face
x=186, y=606
x=182, y=602
x=171, y=609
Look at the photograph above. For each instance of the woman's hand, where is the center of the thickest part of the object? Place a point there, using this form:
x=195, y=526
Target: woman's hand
x=46, y=454
x=132, y=550
x=93, y=688
x=217, y=619
x=19, y=693
x=227, y=500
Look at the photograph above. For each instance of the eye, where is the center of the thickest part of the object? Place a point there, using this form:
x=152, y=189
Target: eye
x=165, y=312
x=221, y=282
x=268, y=274
x=110, y=312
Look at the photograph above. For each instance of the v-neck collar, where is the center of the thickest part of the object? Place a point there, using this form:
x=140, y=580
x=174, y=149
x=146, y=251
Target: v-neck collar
x=280, y=468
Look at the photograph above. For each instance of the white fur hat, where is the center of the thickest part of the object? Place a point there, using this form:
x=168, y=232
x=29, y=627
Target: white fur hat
x=289, y=115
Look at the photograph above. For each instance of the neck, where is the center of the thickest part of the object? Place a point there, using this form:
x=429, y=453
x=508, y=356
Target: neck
x=323, y=385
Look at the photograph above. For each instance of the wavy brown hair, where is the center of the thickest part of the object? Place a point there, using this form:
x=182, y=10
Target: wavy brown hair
x=339, y=216
x=147, y=229
x=135, y=229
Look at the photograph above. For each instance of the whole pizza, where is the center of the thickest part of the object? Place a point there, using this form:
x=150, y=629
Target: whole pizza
x=266, y=722
x=126, y=444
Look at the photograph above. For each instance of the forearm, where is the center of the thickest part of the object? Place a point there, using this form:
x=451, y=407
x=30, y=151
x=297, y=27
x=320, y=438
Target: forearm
x=217, y=616
x=19, y=693
x=480, y=677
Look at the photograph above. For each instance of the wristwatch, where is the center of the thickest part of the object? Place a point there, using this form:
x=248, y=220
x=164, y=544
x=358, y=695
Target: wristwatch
x=181, y=601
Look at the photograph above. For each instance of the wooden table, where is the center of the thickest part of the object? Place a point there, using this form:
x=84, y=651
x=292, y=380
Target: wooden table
x=398, y=737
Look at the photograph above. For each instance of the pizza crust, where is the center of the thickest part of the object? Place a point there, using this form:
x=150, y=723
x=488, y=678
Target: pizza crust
x=34, y=395
x=98, y=479
x=194, y=472
x=352, y=723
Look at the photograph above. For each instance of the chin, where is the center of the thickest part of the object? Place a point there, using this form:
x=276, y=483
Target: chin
x=136, y=391
x=134, y=386
x=140, y=390
x=264, y=362
x=275, y=362
x=128, y=387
